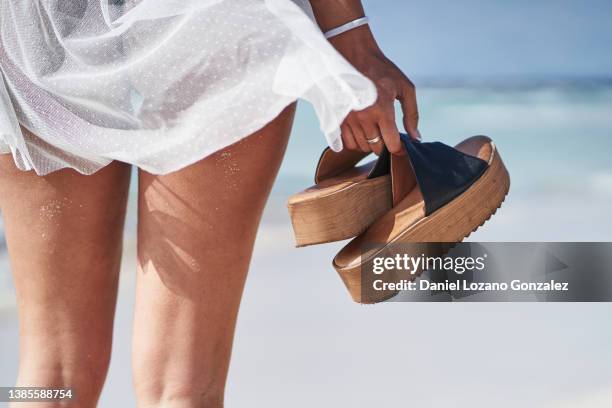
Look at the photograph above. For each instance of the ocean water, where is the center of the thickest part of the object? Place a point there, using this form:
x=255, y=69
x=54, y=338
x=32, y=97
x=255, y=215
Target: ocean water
x=555, y=139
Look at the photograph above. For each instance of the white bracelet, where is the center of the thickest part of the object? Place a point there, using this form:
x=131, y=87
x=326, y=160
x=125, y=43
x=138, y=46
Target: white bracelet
x=346, y=27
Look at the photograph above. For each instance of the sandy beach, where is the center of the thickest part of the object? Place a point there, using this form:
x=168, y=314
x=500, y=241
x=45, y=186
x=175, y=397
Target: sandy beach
x=299, y=334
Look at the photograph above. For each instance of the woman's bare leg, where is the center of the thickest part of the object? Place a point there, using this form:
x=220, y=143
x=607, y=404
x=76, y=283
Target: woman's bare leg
x=64, y=235
x=196, y=232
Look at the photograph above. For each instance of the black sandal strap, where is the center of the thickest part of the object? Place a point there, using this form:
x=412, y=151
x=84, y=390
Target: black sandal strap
x=441, y=171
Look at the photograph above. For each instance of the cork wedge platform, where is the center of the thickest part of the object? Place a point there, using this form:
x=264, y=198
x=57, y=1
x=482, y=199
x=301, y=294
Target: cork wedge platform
x=440, y=194
x=345, y=200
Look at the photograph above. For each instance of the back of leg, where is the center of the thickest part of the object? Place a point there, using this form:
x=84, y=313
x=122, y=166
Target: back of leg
x=196, y=232
x=64, y=234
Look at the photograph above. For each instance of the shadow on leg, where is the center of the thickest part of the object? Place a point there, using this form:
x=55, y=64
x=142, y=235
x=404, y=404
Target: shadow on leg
x=196, y=232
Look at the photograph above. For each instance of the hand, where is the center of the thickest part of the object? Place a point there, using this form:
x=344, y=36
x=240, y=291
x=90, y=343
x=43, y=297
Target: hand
x=360, y=49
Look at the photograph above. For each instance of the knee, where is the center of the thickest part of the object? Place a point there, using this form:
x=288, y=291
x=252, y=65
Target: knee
x=157, y=391
x=81, y=367
x=173, y=386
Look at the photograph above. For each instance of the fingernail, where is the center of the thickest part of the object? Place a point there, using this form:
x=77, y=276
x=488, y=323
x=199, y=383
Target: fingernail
x=417, y=134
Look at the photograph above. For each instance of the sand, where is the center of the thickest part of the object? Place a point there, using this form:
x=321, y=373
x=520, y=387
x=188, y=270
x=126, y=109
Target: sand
x=301, y=342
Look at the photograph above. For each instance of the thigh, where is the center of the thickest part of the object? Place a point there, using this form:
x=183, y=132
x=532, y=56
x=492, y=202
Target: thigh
x=63, y=233
x=196, y=232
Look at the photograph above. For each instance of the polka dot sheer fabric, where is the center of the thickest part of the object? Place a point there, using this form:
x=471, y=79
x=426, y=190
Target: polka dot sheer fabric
x=160, y=84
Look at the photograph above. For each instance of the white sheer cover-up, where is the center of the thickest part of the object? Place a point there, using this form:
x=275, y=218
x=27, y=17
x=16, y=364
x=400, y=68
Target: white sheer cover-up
x=160, y=84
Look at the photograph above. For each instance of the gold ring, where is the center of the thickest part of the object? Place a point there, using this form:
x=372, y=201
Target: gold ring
x=373, y=141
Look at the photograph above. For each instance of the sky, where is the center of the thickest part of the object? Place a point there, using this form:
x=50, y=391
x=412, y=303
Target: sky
x=496, y=38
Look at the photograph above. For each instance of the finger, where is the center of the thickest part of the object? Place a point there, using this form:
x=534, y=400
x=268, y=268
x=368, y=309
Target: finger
x=371, y=131
x=410, y=110
x=390, y=133
x=347, y=137
x=360, y=137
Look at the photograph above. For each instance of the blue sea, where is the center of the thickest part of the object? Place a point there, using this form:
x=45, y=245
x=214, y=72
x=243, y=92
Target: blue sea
x=554, y=138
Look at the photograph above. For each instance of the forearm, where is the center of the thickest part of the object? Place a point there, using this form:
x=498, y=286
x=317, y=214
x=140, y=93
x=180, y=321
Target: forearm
x=334, y=13
x=359, y=47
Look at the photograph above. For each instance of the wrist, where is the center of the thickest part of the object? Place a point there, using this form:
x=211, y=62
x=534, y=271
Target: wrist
x=357, y=41
x=330, y=15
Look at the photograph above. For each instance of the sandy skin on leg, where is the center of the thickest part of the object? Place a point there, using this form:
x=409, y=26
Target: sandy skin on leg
x=64, y=234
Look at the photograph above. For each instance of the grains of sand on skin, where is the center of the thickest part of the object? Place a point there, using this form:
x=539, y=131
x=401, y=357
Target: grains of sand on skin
x=230, y=168
x=51, y=210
